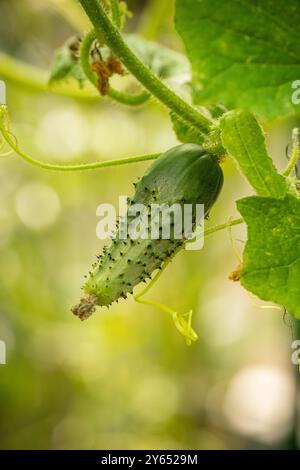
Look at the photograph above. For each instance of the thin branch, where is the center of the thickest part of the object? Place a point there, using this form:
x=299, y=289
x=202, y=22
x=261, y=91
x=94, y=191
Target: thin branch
x=218, y=228
x=12, y=142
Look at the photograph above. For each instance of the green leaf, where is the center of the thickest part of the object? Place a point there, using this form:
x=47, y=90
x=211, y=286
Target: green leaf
x=170, y=66
x=271, y=268
x=61, y=66
x=244, y=53
x=66, y=65
x=243, y=138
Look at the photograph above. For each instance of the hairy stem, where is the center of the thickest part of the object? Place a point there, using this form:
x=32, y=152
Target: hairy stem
x=121, y=97
x=129, y=100
x=105, y=29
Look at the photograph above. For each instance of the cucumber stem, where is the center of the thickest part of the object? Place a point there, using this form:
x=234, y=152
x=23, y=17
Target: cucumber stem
x=106, y=30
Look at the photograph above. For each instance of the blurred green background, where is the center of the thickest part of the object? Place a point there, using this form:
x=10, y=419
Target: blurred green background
x=125, y=378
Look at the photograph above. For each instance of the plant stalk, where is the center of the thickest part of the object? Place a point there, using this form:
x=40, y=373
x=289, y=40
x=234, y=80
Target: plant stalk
x=106, y=30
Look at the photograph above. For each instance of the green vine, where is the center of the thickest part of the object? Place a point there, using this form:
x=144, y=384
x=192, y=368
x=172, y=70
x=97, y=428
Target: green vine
x=13, y=143
x=106, y=30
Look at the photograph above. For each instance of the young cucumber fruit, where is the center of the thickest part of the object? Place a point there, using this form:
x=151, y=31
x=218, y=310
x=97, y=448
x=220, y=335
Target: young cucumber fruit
x=186, y=174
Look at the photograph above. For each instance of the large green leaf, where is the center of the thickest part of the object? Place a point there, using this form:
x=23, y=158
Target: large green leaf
x=244, y=53
x=271, y=268
x=243, y=138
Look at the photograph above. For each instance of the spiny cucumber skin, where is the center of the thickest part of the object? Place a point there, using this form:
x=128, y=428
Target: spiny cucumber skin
x=183, y=175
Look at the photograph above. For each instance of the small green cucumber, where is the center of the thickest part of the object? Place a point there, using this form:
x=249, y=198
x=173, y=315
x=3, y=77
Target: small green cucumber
x=186, y=174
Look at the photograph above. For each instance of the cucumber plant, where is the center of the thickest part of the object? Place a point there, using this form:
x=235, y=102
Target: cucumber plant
x=235, y=65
